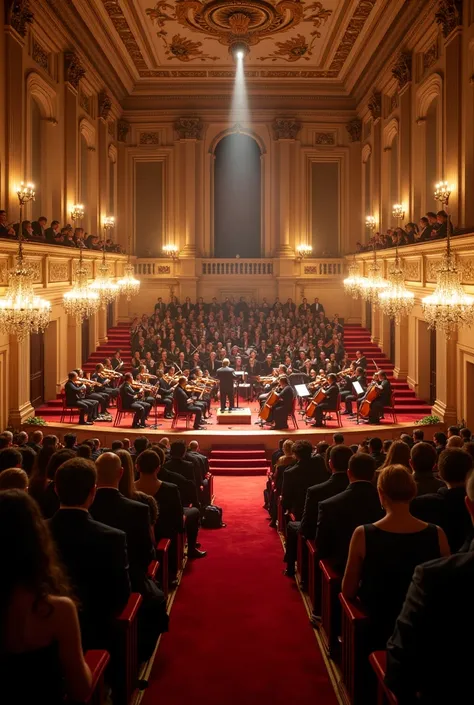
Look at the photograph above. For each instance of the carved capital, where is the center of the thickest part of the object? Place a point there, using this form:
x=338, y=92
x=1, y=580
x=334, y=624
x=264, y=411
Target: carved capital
x=375, y=106
x=286, y=128
x=189, y=128
x=18, y=15
x=354, y=128
x=104, y=105
x=123, y=128
x=449, y=15
x=149, y=139
x=402, y=69
x=324, y=138
x=73, y=69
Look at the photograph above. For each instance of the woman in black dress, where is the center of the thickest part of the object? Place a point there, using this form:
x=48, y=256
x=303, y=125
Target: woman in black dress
x=384, y=555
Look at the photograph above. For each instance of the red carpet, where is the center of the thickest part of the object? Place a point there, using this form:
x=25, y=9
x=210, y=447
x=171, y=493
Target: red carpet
x=239, y=630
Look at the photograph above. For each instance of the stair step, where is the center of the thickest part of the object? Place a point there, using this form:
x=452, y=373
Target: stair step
x=235, y=462
x=239, y=471
x=237, y=453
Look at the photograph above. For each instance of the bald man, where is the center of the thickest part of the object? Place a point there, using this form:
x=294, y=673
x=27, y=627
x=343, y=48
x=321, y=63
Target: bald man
x=112, y=508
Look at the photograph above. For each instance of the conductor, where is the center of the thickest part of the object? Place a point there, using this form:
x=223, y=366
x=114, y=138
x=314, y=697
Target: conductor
x=226, y=376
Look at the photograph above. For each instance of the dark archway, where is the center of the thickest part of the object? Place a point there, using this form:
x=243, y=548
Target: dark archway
x=237, y=197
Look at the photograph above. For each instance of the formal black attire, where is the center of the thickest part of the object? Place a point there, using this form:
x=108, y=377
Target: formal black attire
x=382, y=400
x=76, y=400
x=181, y=400
x=96, y=561
x=446, y=509
x=316, y=494
x=387, y=569
x=424, y=636
x=329, y=403
x=226, y=377
x=339, y=516
x=45, y=678
x=362, y=362
x=283, y=407
x=130, y=400
x=348, y=397
x=427, y=483
x=112, y=508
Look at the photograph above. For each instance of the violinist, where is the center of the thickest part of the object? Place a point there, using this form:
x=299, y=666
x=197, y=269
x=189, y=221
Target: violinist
x=284, y=405
x=142, y=378
x=331, y=395
x=383, y=399
x=105, y=381
x=131, y=400
x=361, y=360
x=351, y=396
x=75, y=398
x=187, y=404
x=92, y=392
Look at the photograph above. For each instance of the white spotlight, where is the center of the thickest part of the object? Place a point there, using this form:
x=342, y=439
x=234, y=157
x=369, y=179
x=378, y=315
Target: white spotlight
x=240, y=55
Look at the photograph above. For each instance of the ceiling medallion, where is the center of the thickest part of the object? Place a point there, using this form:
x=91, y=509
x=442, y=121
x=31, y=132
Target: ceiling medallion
x=244, y=23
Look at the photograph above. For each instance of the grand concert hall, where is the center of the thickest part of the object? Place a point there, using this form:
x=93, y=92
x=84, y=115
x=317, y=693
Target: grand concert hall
x=236, y=272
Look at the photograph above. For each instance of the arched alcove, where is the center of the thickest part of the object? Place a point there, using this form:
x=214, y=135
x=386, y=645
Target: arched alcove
x=237, y=197
x=432, y=149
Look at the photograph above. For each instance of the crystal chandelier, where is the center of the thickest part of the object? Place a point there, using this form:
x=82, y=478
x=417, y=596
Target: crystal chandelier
x=303, y=250
x=82, y=301
x=396, y=300
x=171, y=251
x=104, y=284
x=373, y=283
x=448, y=306
x=21, y=311
x=128, y=285
x=353, y=282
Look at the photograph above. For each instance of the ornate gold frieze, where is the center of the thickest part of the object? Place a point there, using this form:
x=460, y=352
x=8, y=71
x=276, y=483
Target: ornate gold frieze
x=149, y=139
x=324, y=138
x=39, y=55
x=402, y=69
x=286, y=128
x=58, y=271
x=104, y=105
x=123, y=128
x=430, y=57
x=189, y=128
x=412, y=270
x=449, y=15
x=73, y=69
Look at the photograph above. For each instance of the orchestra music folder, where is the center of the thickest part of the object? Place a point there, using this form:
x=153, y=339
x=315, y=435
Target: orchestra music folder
x=302, y=390
x=358, y=387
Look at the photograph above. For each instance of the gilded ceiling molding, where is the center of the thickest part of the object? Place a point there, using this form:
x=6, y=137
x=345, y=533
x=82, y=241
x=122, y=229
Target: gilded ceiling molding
x=449, y=15
x=189, y=128
x=351, y=34
x=286, y=128
x=123, y=128
x=402, y=69
x=122, y=28
x=375, y=106
x=18, y=15
x=354, y=128
x=240, y=129
x=104, y=105
x=73, y=69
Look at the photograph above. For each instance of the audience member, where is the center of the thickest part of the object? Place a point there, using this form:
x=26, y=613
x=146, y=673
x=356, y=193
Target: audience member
x=376, y=451
x=383, y=555
x=423, y=461
x=36, y=441
x=13, y=479
x=398, y=454
x=10, y=458
x=455, y=442
x=307, y=471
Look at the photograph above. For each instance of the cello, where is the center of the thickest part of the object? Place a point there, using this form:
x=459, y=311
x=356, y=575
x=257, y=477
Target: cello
x=317, y=399
x=372, y=393
x=270, y=402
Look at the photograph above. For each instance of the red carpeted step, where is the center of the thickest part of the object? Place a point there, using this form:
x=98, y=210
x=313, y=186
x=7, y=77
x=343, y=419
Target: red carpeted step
x=238, y=460
x=238, y=463
x=236, y=454
x=250, y=472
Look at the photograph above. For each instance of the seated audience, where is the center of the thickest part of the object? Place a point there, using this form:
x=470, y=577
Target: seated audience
x=376, y=451
x=423, y=462
x=10, y=458
x=41, y=660
x=94, y=555
x=440, y=439
x=383, y=555
x=307, y=471
x=424, y=636
x=397, y=454
x=13, y=479
x=446, y=508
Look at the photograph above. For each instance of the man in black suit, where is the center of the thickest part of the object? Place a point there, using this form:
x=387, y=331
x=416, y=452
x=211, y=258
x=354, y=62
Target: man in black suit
x=331, y=395
x=6, y=231
x=52, y=232
x=424, y=635
x=383, y=399
x=308, y=471
x=361, y=360
x=447, y=507
x=340, y=515
x=112, y=508
x=423, y=461
x=177, y=464
x=75, y=398
x=316, y=307
x=94, y=555
x=201, y=469
x=160, y=306
x=185, y=403
x=226, y=377
x=131, y=400
x=39, y=228
x=284, y=405
x=352, y=396
x=158, y=482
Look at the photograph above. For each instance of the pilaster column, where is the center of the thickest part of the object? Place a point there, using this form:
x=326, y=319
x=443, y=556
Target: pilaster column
x=19, y=375
x=405, y=180
x=376, y=328
x=384, y=334
x=105, y=105
x=454, y=156
x=189, y=131
x=102, y=326
x=285, y=132
x=375, y=107
x=445, y=405
x=14, y=116
x=352, y=234
x=73, y=72
x=74, y=343
x=401, y=349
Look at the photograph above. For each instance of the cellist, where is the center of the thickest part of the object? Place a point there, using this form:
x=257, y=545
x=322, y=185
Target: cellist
x=284, y=404
x=331, y=394
x=383, y=399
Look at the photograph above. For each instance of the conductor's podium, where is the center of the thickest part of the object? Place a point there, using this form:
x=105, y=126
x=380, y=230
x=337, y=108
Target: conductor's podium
x=236, y=416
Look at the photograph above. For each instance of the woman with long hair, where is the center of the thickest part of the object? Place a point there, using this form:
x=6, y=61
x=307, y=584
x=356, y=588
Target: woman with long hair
x=398, y=454
x=41, y=658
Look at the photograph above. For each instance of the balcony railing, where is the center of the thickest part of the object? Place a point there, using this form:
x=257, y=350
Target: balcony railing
x=226, y=267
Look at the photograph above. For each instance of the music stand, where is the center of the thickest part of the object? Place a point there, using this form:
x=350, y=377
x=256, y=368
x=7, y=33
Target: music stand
x=358, y=390
x=240, y=376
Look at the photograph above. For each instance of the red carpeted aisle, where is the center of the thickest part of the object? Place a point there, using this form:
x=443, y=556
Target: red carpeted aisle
x=239, y=630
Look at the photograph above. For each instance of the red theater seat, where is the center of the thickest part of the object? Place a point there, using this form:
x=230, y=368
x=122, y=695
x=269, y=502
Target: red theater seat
x=314, y=577
x=330, y=609
x=125, y=655
x=162, y=551
x=97, y=662
x=378, y=661
x=357, y=682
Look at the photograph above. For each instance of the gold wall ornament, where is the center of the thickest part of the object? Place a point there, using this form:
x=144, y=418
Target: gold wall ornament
x=375, y=105
x=351, y=34
x=430, y=57
x=123, y=128
x=73, y=69
x=104, y=105
x=189, y=128
x=19, y=15
x=324, y=138
x=402, y=69
x=449, y=15
x=354, y=128
x=149, y=139
x=39, y=55
x=58, y=271
x=286, y=128
x=412, y=271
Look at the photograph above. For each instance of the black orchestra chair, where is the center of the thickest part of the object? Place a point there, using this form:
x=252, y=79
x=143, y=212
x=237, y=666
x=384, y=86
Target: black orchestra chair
x=177, y=414
x=121, y=412
x=71, y=410
x=336, y=411
x=292, y=414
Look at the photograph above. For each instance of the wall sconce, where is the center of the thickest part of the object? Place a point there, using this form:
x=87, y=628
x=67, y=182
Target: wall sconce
x=398, y=212
x=109, y=223
x=303, y=250
x=171, y=251
x=77, y=212
x=370, y=222
x=443, y=192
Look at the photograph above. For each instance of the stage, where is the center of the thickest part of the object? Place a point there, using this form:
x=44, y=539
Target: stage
x=232, y=433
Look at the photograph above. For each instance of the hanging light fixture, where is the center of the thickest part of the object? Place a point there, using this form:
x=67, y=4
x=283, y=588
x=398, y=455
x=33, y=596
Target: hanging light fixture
x=128, y=285
x=396, y=300
x=82, y=301
x=448, y=307
x=353, y=282
x=21, y=311
x=104, y=284
x=373, y=283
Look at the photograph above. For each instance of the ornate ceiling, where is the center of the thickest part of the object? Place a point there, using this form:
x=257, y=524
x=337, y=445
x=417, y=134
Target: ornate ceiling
x=179, y=39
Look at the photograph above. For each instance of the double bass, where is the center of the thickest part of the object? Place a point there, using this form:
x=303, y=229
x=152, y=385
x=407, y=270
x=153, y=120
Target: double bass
x=270, y=402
